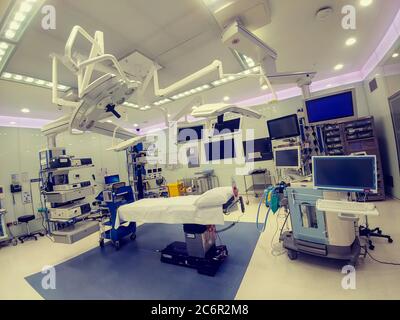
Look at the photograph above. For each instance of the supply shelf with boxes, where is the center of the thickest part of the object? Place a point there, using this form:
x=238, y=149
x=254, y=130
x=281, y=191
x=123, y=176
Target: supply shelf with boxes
x=64, y=192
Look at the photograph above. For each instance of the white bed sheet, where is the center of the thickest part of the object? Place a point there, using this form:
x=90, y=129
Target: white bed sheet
x=176, y=210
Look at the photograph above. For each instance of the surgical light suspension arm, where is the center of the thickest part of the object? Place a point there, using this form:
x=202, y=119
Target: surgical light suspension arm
x=55, y=99
x=215, y=65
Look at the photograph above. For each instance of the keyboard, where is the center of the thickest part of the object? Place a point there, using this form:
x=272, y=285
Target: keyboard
x=359, y=208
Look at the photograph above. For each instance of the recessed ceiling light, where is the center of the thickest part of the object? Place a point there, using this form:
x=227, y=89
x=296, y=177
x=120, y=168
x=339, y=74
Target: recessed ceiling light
x=264, y=87
x=339, y=67
x=395, y=55
x=14, y=25
x=329, y=86
x=19, y=17
x=226, y=98
x=10, y=34
x=365, y=3
x=13, y=122
x=25, y=110
x=351, y=41
x=3, y=45
x=25, y=7
x=135, y=125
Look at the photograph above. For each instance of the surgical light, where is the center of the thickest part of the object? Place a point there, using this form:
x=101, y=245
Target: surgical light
x=18, y=77
x=4, y=45
x=7, y=75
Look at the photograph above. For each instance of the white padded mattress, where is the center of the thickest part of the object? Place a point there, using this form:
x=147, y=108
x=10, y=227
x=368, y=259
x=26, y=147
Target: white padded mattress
x=176, y=210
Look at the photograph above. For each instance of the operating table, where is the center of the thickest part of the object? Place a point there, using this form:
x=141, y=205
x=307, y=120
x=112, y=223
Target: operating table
x=199, y=216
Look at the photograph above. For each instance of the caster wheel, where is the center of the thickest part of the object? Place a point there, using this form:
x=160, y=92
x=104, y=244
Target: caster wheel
x=379, y=231
x=292, y=254
x=117, y=245
x=41, y=234
x=14, y=242
x=132, y=237
x=101, y=243
x=371, y=247
x=390, y=240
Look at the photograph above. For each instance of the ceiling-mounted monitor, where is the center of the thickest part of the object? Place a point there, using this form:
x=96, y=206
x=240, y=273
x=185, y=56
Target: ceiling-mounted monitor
x=330, y=108
x=284, y=128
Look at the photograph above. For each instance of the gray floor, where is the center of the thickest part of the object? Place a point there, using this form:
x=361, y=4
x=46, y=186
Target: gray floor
x=270, y=275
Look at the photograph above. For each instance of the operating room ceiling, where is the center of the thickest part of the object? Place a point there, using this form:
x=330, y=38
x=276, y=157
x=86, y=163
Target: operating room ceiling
x=182, y=36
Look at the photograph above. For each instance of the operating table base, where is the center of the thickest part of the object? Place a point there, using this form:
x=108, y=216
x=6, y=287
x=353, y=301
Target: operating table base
x=176, y=253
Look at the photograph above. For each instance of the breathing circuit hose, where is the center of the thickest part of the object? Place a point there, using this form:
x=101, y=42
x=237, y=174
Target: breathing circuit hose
x=261, y=228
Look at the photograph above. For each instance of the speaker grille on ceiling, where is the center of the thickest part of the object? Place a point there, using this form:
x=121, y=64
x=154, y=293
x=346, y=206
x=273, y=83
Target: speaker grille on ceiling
x=373, y=85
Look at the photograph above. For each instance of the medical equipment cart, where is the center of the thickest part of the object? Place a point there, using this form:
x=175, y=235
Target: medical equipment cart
x=261, y=180
x=113, y=199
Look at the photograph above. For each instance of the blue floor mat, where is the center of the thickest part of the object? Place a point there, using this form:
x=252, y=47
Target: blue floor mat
x=135, y=271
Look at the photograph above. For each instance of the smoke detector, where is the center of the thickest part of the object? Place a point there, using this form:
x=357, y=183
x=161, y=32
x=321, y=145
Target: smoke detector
x=324, y=13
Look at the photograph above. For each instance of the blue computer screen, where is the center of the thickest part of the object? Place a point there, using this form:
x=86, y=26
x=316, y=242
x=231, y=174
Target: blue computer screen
x=350, y=173
x=330, y=108
x=111, y=179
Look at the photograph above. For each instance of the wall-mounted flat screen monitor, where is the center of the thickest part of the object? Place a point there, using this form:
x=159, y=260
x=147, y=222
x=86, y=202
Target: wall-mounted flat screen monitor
x=258, y=150
x=284, y=128
x=287, y=158
x=187, y=134
x=331, y=108
x=220, y=150
x=226, y=127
